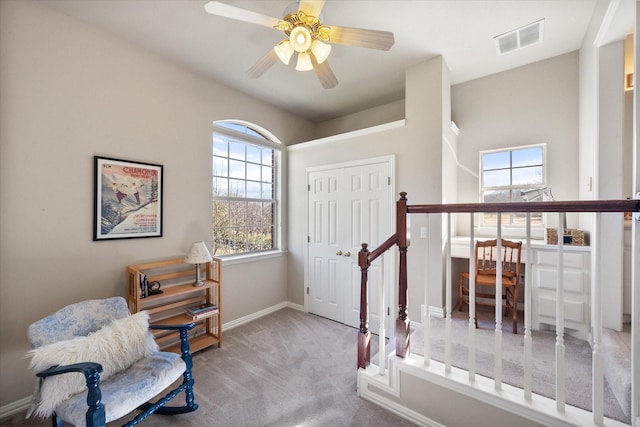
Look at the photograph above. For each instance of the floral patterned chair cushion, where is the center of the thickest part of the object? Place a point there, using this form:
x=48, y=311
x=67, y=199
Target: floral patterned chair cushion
x=103, y=331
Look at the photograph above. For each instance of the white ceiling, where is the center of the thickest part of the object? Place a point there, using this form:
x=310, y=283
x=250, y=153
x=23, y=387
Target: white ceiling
x=224, y=49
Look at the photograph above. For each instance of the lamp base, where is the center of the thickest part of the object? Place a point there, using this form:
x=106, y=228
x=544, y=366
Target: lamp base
x=199, y=281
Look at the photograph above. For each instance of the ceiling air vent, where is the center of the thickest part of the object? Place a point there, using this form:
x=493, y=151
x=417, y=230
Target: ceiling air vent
x=519, y=38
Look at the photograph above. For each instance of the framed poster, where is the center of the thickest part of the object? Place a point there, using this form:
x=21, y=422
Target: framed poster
x=127, y=199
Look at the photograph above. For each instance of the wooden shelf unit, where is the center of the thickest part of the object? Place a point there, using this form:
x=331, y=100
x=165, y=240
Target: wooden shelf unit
x=169, y=308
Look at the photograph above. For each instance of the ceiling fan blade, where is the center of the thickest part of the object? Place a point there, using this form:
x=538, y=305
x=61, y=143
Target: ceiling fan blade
x=324, y=73
x=263, y=64
x=228, y=11
x=311, y=7
x=372, y=39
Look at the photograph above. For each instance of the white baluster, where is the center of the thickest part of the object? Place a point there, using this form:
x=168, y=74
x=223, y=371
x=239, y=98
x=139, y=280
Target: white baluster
x=597, y=394
x=528, y=342
x=497, y=354
x=472, y=302
x=426, y=318
x=448, y=321
x=381, y=307
x=560, y=348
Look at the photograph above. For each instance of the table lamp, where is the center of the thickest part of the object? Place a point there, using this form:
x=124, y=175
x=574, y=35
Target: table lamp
x=198, y=254
x=546, y=195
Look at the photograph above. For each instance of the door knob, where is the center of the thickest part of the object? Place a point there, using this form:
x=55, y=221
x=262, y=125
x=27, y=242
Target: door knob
x=339, y=253
x=347, y=253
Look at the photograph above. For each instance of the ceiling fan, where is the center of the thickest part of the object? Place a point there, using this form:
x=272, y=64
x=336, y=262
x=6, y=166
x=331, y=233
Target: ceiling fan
x=306, y=35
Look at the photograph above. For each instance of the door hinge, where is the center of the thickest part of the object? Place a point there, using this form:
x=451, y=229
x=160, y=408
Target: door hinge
x=388, y=180
x=309, y=187
x=388, y=311
x=308, y=239
x=307, y=290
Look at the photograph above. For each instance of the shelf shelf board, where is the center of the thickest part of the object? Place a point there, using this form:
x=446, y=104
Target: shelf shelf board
x=196, y=344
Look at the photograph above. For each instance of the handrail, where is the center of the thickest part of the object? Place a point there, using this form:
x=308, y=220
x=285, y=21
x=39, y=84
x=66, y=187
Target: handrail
x=399, y=238
x=631, y=205
x=386, y=245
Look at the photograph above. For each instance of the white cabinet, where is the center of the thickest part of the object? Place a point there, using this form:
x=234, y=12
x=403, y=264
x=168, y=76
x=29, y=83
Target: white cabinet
x=576, y=284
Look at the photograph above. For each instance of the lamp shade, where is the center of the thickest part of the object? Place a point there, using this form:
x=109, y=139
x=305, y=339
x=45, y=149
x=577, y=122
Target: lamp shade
x=284, y=51
x=198, y=254
x=320, y=50
x=304, y=62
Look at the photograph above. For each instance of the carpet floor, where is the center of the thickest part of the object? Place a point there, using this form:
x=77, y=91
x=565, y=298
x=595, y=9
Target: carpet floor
x=285, y=369
x=577, y=358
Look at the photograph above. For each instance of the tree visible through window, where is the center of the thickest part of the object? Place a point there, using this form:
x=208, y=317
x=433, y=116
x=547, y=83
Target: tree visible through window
x=504, y=174
x=244, y=190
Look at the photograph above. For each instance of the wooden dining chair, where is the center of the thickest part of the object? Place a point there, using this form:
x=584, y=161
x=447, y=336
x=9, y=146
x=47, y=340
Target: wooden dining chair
x=486, y=255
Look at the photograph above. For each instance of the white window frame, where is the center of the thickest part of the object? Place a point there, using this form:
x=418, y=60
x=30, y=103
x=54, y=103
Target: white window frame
x=511, y=230
x=273, y=143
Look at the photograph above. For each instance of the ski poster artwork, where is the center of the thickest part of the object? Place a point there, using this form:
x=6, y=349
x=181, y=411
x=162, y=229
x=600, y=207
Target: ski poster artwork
x=128, y=199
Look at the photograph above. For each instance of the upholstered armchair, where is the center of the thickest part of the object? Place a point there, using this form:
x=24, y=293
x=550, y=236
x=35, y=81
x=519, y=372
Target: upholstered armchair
x=97, y=363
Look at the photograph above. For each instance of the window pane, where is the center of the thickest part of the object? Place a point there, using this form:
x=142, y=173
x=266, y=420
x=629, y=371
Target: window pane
x=267, y=156
x=220, y=166
x=221, y=218
x=237, y=212
x=499, y=160
x=253, y=154
x=267, y=174
x=220, y=147
x=238, y=240
x=527, y=176
x=234, y=126
x=527, y=157
x=267, y=191
x=254, y=214
x=254, y=133
x=253, y=171
x=236, y=188
x=492, y=218
x=237, y=169
x=496, y=178
x=237, y=150
x=499, y=196
x=254, y=190
x=220, y=186
x=267, y=213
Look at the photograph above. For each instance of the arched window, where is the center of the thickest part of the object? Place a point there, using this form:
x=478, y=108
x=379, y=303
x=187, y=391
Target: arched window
x=245, y=189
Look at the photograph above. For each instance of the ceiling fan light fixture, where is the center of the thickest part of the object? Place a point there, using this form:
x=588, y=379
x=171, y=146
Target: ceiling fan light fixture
x=320, y=50
x=304, y=62
x=300, y=38
x=284, y=51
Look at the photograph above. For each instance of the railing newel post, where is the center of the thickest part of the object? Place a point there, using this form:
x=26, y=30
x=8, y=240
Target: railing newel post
x=402, y=323
x=364, y=335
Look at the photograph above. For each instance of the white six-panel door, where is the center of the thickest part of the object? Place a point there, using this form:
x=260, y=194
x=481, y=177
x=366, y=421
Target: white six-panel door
x=348, y=206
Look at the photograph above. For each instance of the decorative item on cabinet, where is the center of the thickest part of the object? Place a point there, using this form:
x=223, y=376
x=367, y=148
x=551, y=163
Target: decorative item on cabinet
x=572, y=236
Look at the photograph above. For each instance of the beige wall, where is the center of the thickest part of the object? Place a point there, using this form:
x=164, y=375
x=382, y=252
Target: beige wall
x=537, y=103
x=70, y=92
x=372, y=117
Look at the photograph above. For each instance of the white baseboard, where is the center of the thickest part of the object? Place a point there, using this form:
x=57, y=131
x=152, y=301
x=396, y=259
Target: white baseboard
x=22, y=404
x=258, y=314
x=433, y=311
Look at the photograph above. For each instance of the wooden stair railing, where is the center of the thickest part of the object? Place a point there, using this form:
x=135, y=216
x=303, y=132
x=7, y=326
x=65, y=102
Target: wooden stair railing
x=401, y=239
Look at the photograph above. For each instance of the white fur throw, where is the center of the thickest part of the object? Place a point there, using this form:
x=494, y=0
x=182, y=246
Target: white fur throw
x=116, y=346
